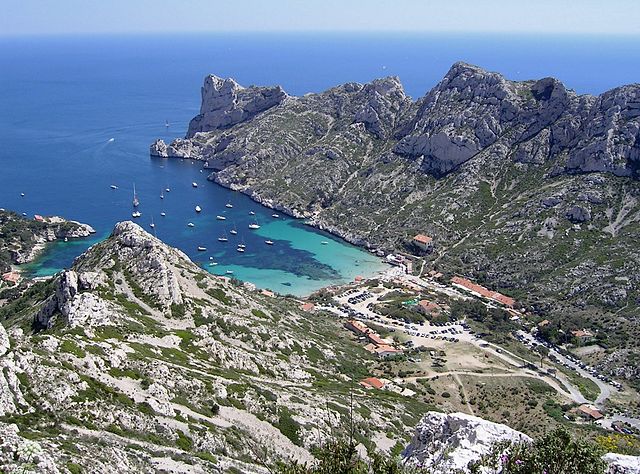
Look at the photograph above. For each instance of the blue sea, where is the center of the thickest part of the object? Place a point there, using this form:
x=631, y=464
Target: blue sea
x=77, y=114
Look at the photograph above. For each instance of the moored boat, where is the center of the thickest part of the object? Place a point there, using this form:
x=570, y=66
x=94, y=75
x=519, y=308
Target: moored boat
x=198, y=209
x=202, y=249
x=268, y=242
x=190, y=224
x=254, y=225
x=194, y=184
x=221, y=218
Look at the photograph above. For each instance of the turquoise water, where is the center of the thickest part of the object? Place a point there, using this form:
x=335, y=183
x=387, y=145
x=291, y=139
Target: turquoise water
x=77, y=114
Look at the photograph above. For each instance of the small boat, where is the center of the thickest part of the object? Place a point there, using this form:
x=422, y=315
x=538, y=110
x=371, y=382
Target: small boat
x=240, y=249
x=136, y=201
x=198, y=209
x=221, y=218
x=22, y=194
x=161, y=194
x=168, y=190
x=166, y=123
x=152, y=225
x=111, y=140
x=275, y=215
x=24, y=214
x=190, y=224
x=268, y=242
x=202, y=249
x=194, y=184
x=233, y=231
x=251, y=213
x=324, y=242
x=229, y=272
x=213, y=264
x=241, y=246
x=136, y=214
x=229, y=205
x=254, y=226
x=113, y=186
x=222, y=239
x=66, y=239
x=163, y=214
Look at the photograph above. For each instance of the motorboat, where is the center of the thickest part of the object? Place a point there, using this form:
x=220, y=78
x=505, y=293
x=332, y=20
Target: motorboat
x=202, y=249
x=191, y=224
x=221, y=218
x=198, y=209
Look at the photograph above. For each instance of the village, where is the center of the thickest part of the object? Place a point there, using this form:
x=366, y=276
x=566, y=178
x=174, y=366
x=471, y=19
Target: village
x=408, y=319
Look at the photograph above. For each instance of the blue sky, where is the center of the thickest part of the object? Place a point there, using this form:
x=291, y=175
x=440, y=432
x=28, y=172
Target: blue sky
x=27, y=17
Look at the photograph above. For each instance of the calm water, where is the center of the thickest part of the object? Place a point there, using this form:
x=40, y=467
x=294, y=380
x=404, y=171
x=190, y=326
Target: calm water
x=62, y=100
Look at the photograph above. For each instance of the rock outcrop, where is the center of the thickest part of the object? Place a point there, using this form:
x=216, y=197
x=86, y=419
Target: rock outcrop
x=448, y=442
x=225, y=103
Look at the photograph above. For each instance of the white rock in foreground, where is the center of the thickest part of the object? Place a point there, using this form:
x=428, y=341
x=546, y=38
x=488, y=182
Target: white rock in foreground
x=622, y=464
x=447, y=442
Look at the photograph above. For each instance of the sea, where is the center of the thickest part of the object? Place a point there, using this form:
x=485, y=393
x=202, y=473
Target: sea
x=77, y=115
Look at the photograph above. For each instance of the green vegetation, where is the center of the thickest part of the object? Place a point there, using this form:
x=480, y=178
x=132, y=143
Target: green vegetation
x=72, y=347
x=289, y=427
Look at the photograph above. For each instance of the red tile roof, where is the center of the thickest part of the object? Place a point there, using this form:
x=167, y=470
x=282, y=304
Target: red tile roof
x=482, y=291
x=429, y=305
x=373, y=337
x=12, y=277
x=372, y=382
x=592, y=412
x=307, y=307
x=423, y=239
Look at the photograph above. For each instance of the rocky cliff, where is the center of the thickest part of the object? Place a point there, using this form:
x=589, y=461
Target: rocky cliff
x=526, y=187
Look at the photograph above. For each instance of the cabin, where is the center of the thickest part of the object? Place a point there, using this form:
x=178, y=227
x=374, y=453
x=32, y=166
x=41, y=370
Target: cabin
x=428, y=307
x=423, y=242
x=583, y=336
x=589, y=413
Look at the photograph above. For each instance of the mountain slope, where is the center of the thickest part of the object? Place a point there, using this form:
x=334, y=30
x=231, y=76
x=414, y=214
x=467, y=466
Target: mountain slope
x=142, y=361
x=526, y=187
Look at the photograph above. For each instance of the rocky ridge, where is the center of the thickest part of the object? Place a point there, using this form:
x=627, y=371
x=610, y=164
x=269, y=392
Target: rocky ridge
x=136, y=346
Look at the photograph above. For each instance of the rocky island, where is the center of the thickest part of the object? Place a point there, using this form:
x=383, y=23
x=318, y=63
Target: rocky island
x=525, y=187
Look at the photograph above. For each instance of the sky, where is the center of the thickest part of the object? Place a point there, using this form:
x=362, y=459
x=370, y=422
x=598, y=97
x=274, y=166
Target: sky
x=593, y=17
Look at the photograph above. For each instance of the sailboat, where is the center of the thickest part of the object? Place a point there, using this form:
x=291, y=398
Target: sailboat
x=136, y=214
x=198, y=209
x=166, y=124
x=202, y=249
x=221, y=218
x=136, y=202
x=163, y=213
x=222, y=238
x=268, y=242
x=251, y=213
x=161, y=194
x=152, y=225
x=254, y=225
x=113, y=186
x=233, y=231
x=229, y=205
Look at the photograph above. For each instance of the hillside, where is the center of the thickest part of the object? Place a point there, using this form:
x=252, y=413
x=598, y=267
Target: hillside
x=137, y=360
x=526, y=187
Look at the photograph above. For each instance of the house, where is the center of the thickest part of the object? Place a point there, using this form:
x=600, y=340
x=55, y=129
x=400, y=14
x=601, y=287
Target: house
x=38, y=218
x=582, y=336
x=423, y=242
x=483, y=292
x=307, y=307
x=428, y=307
x=377, y=340
x=11, y=277
x=268, y=293
x=589, y=413
x=357, y=327
x=385, y=350
x=372, y=382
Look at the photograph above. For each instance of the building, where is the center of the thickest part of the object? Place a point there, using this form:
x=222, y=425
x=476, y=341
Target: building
x=483, y=292
x=385, y=350
x=11, y=277
x=543, y=323
x=428, y=307
x=357, y=327
x=307, y=307
x=423, y=242
x=582, y=336
x=372, y=382
x=589, y=413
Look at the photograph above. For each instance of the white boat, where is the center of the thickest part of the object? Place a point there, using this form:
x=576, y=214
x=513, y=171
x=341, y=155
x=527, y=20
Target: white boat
x=22, y=194
x=66, y=239
x=113, y=186
x=161, y=194
x=229, y=272
x=241, y=246
x=194, y=184
x=221, y=218
x=240, y=249
x=202, y=249
x=275, y=215
x=136, y=214
x=190, y=224
x=152, y=225
x=163, y=214
x=324, y=242
x=233, y=231
x=24, y=214
x=198, y=209
x=251, y=213
x=168, y=190
x=254, y=226
x=136, y=201
x=111, y=140
x=213, y=264
x=229, y=205
x=166, y=123
x=222, y=239
x=268, y=242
